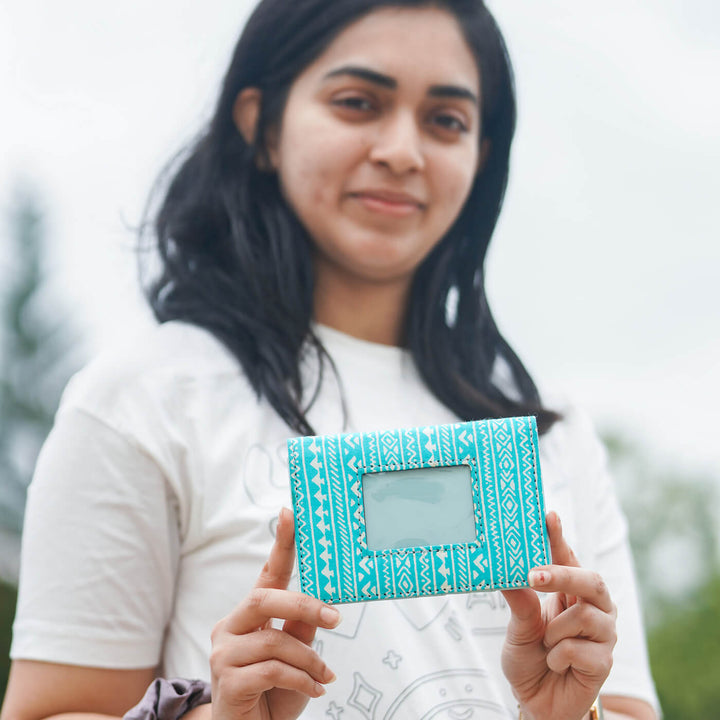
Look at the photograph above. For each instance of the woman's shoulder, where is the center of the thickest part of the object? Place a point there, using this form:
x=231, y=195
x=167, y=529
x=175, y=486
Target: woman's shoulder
x=573, y=443
x=575, y=424
x=157, y=364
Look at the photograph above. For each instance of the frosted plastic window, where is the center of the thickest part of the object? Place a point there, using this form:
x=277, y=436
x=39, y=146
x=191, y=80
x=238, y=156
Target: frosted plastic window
x=416, y=508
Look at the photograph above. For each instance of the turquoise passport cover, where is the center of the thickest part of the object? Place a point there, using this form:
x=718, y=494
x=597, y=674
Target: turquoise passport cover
x=418, y=511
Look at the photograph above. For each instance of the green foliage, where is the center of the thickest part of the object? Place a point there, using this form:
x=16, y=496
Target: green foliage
x=673, y=519
x=8, y=599
x=685, y=655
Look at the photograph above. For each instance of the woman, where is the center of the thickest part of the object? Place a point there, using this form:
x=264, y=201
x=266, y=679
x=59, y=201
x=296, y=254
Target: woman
x=322, y=252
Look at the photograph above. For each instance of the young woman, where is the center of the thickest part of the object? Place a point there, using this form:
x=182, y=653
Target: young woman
x=322, y=250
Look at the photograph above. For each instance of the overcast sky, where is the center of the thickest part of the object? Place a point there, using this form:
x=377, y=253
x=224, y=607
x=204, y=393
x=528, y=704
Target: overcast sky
x=605, y=270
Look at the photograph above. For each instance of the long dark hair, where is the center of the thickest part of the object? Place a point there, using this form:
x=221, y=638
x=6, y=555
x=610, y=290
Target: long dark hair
x=236, y=260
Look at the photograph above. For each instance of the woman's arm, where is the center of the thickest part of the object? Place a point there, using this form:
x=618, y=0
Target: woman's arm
x=257, y=670
x=97, y=575
x=616, y=707
x=38, y=690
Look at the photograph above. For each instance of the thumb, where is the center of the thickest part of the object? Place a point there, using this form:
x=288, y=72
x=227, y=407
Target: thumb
x=525, y=624
x=278, y=569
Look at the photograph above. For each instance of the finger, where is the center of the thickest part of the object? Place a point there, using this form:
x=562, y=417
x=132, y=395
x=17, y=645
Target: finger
x=582, y=620
x=588, y=659
x=525, y=616
x=573, y=581
x=278, y=569
x=304, y=632
x=240, y=687
x=270, y=644
x=262, y=604
x=562, y=553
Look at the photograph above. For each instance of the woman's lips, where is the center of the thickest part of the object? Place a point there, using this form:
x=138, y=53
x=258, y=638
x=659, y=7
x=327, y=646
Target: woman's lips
x=395, y=204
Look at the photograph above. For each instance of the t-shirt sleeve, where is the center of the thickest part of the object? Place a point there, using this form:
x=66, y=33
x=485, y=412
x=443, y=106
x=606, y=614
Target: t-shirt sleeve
x=100, y=550
x=605, y=534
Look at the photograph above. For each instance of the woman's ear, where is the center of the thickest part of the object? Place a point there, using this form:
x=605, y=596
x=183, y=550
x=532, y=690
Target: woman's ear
x=246, y=111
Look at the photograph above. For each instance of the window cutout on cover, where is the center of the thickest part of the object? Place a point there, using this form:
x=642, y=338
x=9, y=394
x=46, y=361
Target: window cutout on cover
x=417, y=508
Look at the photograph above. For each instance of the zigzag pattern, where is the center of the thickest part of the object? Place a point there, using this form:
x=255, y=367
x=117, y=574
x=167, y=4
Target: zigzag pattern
x=513, y=540
x=538, y=550
x=320, y=517
x=423, y=562
x=371, y=456
x=341, y=535
x=489, y=494
x=302, y=536
x=411, y=451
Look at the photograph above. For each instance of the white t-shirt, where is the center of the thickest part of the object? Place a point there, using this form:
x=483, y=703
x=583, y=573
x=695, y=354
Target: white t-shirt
x=154, y=504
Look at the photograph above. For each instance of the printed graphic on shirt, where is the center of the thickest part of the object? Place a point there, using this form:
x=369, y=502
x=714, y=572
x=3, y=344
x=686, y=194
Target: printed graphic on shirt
x=445, y=695
x=394, y=677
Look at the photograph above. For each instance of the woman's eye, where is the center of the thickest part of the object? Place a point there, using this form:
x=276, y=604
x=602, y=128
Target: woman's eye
x=448, y=122
x=354, y=102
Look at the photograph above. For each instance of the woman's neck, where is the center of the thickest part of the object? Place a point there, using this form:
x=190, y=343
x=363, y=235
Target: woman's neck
x=369, y=312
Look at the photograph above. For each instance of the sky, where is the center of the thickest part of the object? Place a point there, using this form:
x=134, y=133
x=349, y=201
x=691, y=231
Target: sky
x=604, y=273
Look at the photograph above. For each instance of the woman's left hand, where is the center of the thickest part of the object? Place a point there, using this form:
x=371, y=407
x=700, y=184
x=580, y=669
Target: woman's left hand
x=557, y=654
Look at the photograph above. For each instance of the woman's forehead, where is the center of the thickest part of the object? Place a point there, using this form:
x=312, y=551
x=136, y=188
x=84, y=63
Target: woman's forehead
x=425, y=42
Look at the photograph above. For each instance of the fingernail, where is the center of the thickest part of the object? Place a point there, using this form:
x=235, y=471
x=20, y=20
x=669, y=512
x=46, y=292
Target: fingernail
x=319, y=689
x=330, y=616
x=538, y=577
x=330, y=676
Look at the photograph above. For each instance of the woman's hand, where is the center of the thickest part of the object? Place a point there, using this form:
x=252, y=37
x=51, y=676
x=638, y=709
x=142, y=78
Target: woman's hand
x=558, y=654
x=262, y=672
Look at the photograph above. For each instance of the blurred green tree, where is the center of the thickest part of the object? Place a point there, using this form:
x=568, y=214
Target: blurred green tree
x=684, y=651
x=38, y=353
x=8, y=598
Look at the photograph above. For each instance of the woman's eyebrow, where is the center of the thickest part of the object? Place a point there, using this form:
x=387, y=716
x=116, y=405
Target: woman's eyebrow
x=377, y=78
x=453, y=91
x=371, y=76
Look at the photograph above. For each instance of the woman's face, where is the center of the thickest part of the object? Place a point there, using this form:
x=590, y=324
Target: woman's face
x=378, y=145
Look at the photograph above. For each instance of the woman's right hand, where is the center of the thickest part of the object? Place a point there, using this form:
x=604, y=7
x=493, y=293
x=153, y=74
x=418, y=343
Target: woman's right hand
x=262, y=672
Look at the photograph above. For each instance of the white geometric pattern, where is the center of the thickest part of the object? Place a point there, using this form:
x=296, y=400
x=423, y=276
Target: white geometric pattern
x=326, y=481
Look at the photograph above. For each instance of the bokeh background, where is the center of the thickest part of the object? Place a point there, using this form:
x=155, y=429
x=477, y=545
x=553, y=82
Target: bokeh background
x=604, y=273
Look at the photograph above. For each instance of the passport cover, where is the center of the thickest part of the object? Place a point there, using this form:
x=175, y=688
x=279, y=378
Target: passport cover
x=327, y=481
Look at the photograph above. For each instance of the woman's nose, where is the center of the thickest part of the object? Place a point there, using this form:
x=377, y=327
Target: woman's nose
x=398, y=144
